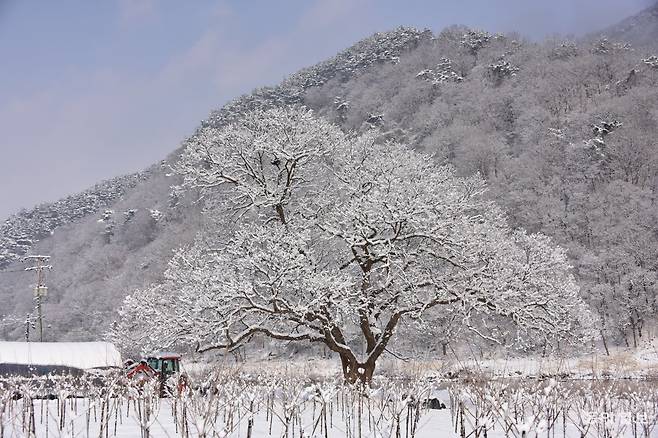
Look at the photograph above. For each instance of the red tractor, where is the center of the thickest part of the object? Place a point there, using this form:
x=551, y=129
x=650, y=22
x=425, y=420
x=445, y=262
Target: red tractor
x=161, y=366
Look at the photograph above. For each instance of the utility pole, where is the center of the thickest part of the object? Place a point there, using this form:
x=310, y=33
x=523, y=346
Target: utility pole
x=40, y=290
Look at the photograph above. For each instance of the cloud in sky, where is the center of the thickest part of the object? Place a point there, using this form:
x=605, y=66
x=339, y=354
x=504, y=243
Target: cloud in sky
x=132, y=11
x=98, y=89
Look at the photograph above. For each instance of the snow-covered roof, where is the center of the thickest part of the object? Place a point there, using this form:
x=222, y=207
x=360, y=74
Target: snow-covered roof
x=83, y=355
x=165, y=355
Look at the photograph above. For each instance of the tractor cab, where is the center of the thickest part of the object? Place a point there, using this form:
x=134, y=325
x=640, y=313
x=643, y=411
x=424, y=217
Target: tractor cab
x=165, y=364
x=160, y=366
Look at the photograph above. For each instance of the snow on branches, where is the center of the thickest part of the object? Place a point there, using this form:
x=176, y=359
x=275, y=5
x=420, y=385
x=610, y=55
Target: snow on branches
x=444, y=72
x=265, y=158
x=605, y=47
x=500, y=70
x=475, y=40
x=22, y=230
x=342, y=241
x=651, y=61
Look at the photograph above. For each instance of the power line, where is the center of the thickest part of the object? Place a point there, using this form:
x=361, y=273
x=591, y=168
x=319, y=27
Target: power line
x=14, y=271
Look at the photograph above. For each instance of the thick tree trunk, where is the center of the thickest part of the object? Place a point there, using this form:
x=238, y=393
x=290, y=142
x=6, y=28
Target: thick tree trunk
x=281, y=213
x=357, y=373
x=346, y=366
x=368, y=372
x=350, y=369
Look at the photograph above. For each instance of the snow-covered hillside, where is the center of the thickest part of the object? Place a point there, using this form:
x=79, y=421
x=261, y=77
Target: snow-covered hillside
x=96, y=264
x=641, y=30
x=562, y=131
x=22, y=230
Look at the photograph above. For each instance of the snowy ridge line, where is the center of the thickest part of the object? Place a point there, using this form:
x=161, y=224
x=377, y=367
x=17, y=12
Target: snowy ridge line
x=378, y=48
x=640, y=30
x=23, y=229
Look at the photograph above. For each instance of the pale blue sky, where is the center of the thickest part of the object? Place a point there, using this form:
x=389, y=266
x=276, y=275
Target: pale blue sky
x=91, y=89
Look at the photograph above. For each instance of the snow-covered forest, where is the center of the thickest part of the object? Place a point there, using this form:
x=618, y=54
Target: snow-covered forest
x=561, y=132
x=450, y=233
x=22, y=230
x=564, y=134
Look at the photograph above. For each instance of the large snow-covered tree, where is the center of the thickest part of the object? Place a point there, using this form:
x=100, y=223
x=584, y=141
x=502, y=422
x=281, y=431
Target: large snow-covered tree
x=342, y=241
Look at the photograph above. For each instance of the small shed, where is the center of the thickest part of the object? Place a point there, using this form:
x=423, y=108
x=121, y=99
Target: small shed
x=44, y=357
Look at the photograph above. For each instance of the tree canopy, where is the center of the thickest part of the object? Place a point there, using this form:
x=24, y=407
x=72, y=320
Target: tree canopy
x=341, y=240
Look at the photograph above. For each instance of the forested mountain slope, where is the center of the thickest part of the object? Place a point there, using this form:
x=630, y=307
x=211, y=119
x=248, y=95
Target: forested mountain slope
x=639, y=30
x=21, y=230
x=96, y=258
x=119, y=235
x=564, y=132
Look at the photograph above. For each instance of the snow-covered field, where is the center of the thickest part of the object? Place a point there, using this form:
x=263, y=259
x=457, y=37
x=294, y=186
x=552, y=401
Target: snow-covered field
x=164, y=423
x=432, y=424
x=235, y=404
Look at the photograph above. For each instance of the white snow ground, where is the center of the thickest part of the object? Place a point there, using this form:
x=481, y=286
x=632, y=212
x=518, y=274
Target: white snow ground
x=433, y=425
x=82, y=419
